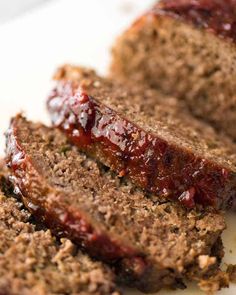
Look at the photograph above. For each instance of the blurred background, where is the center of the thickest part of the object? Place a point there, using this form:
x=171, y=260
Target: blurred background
x=12, y=8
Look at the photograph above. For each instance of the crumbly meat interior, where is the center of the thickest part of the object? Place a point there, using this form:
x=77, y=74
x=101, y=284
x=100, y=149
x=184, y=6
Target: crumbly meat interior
x=33, y=262
x=179, y=59
x=167, y=233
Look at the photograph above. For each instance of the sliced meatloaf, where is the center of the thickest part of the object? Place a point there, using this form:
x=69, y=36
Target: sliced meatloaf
x=146, y=136
x=33, y=262
x=151, y=244
x=187, y=49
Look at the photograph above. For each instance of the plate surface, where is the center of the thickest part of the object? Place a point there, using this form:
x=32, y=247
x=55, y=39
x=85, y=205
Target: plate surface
x=75, y=31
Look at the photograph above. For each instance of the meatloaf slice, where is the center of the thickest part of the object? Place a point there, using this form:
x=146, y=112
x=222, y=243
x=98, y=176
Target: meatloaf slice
x=149, y=137
x=151, y=244
x=33, y=262
x=187, y=49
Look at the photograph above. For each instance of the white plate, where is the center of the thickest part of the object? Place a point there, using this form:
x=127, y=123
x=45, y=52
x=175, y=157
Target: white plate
x=65, y=31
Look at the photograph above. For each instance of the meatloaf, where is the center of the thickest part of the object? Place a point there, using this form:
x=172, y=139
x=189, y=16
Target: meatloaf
x=150, y=138
x=187, y=49
x=151, y=244
x=34, y=262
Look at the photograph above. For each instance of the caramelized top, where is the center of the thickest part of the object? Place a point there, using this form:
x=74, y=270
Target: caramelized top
x=218, y=16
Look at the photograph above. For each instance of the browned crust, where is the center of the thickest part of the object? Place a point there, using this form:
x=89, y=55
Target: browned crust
x=132, y=151
x=215, y=16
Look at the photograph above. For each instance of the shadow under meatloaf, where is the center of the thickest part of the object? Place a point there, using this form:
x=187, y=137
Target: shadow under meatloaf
x=146, y=136
x=151, y=244
x=187, y=49
x=34, y=262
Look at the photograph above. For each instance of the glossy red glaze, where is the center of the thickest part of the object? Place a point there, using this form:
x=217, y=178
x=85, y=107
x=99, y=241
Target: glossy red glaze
x=62, y=219
x=218, y=16
x=150, y=161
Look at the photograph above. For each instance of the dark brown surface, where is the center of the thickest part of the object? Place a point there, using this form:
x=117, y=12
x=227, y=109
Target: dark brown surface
x=151, y=244
x=148, y=137
x=186, y=49
x=217, y=16
x=34, y=262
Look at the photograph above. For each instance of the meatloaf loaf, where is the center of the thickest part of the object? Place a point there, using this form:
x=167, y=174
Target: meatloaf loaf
x=151, y=244
x=187, y=49
x=146, y=136
x=33, y=262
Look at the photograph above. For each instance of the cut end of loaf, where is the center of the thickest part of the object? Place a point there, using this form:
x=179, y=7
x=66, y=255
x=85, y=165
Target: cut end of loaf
x=165, y=50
